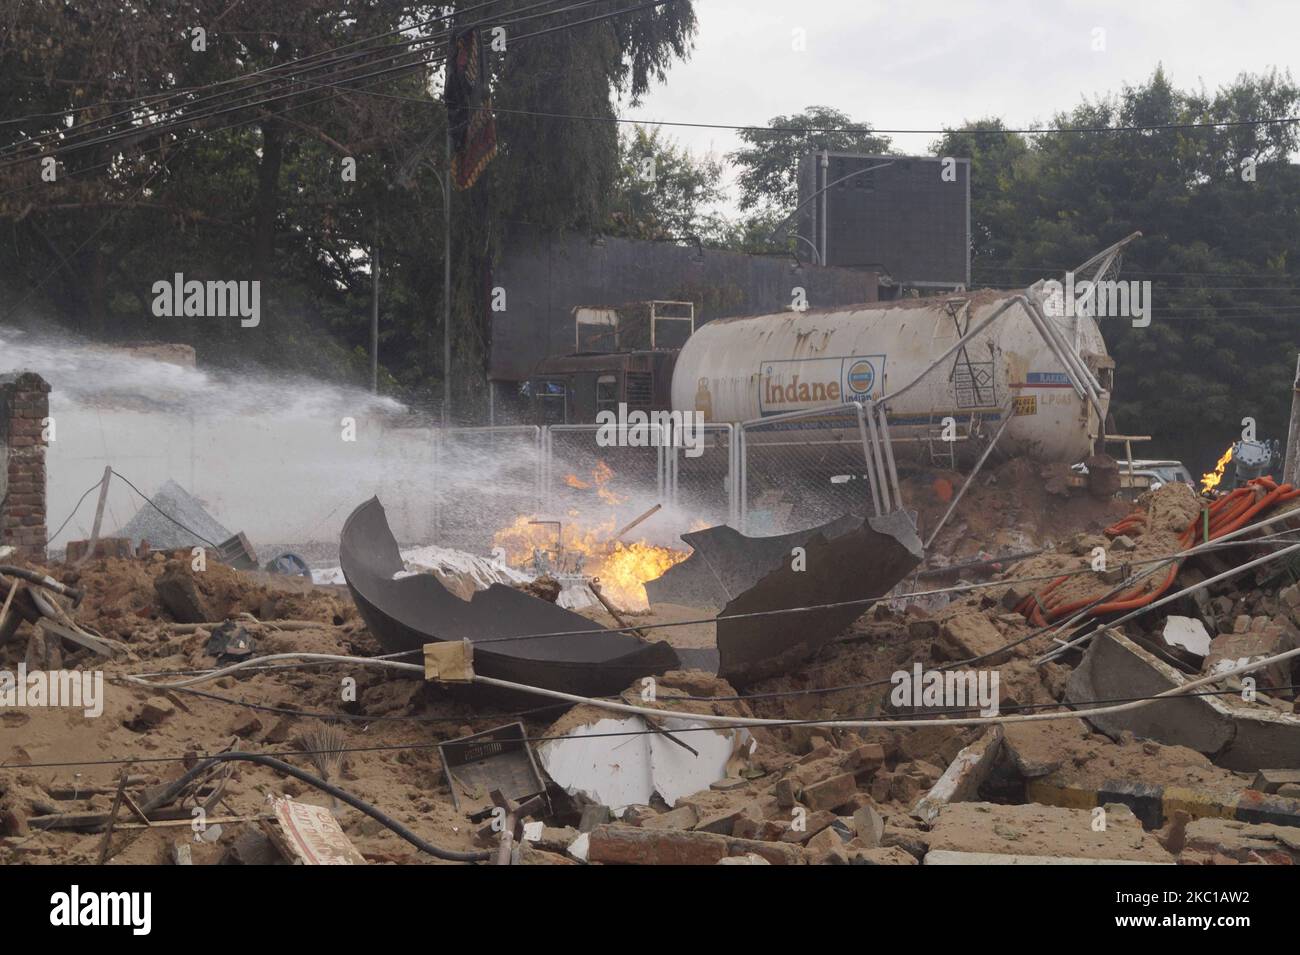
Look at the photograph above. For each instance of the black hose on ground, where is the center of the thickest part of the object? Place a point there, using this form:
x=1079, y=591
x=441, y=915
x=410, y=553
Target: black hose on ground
x=382, y=818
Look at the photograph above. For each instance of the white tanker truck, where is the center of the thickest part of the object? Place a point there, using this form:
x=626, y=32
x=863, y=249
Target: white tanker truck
x=973, y=358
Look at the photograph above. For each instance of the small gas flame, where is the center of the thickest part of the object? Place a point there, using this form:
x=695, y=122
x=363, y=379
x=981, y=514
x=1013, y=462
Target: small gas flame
x=1211, y=480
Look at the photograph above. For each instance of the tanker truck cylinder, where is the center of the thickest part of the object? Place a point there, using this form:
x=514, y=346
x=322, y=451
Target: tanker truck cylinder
x=746, y=369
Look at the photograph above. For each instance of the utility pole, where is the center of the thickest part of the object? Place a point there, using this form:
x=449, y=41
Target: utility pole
x=1291, y=467
x=374, y=317
x=446, y=283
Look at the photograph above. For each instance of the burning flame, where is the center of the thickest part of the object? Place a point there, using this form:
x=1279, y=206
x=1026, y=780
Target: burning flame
x=601, y=475
x=622, y=568
x=1211, y=480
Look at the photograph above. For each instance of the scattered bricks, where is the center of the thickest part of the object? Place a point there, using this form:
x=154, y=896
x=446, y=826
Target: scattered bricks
x=1082, y=543
x=808, y=773
x=156, y=709
x=720, y=821
x=683, y=817
x=926, y=771
x=922, y=742
x=1241, y=624
x=962, y=779
x=1240, y=841
x=180, y=594
x=830, y=793
x=1124, y=542
x=882, y=785
x=1015, y=595
x=774, y=853
x=729, y=784
x=905, y=788
x=967, y=635
x=1272, y=780
x=813, y=823
x=865, y=760
x=927, y=630
x=869, y=826
x=556, y=838
x=786, y=792
x=637, y=815
x=593, y=815
x=625, y=845
x=859, y=800
x=827, y=848
x=912, y=841
x=1229, y=651
x=749, y=858
x=884, y=855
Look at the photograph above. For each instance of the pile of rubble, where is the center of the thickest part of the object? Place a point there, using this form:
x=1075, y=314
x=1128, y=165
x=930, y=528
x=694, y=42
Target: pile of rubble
x=1200, y=778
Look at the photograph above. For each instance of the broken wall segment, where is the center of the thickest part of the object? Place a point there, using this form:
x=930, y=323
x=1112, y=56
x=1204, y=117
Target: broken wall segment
x=1235, y=735
x=24, y=408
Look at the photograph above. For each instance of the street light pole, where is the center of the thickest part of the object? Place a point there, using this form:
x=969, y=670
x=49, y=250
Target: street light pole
x=446, y=284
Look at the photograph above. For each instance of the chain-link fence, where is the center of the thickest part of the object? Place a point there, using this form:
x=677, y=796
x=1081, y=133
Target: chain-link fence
x=582, y=469
x=484, y=478
x=703, y=485
x=805, y=468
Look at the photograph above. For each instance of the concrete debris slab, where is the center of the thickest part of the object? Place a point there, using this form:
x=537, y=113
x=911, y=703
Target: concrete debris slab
x=620, y=771
x=1235, y=734
x=1187, y=633
x=1033, y=830
x=964, y=776
x=949, y=857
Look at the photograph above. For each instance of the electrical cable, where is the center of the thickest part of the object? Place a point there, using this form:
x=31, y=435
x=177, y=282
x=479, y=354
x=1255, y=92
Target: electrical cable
x=341, y=794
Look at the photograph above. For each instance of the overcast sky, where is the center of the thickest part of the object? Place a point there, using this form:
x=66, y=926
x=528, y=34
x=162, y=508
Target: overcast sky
x=904, y=65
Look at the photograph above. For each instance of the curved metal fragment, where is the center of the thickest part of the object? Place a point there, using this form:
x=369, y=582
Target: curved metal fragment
x=406, y=613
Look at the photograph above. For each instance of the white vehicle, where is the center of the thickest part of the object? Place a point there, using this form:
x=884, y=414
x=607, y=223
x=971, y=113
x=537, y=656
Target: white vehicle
x=1157, y=471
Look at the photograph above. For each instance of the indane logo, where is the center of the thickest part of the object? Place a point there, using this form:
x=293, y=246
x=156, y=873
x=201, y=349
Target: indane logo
x=638, y=429
x=796, y=384
x=1107, y=299
x=79, y=689
x=194, y=299
x=73, y=908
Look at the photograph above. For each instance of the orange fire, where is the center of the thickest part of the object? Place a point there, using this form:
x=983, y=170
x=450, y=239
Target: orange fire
x=1211, y=480
x=622, y=568
x=601, y=475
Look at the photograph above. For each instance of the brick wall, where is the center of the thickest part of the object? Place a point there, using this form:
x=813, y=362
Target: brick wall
x=24, y=404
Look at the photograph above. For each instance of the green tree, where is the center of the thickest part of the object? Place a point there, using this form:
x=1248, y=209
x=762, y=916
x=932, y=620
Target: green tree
x=769, y=160
x=662, y=191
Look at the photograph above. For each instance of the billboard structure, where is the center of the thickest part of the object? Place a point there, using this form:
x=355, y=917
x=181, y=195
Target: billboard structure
x=906, y=216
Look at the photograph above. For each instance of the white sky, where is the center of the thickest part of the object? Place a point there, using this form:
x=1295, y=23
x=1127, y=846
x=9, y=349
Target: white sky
x=904, y=65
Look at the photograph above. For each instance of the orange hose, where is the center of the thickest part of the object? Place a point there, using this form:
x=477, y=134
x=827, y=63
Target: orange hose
x=1228, y=513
